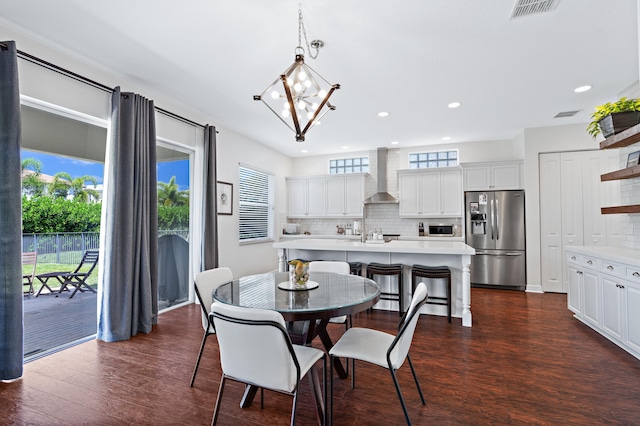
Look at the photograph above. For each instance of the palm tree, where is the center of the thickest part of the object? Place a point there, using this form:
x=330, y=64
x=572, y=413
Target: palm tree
x=169, y=194
x=63, y=185
x=31, y=183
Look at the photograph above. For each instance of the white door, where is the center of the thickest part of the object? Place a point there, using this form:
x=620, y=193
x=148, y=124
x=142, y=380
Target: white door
x=430, y=202
x=591, y=297
x=575, y=289
x=571, y=190
x=612, y=305
x=353, y=195
x=409, y=198
x=451, y=193
x=632, y=314
x=551, y=252
x=506, y=176
x=335, y=196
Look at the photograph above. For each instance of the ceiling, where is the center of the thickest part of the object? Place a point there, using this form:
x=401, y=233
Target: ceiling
x=410, y=58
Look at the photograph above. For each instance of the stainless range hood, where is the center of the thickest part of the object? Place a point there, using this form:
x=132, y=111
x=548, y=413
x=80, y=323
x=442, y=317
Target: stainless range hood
x=382, y=196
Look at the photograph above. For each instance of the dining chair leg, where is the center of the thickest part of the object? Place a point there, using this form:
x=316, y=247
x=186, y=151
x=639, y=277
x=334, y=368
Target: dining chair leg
x=330, y=389
x=324, y=384
x=218, y=400
x=295, y=404
x=415, y=378
x=395, y=382
x=195, y=370
x=353, y=373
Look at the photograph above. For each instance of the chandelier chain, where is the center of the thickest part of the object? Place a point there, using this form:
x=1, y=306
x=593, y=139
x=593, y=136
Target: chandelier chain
x=302, y=31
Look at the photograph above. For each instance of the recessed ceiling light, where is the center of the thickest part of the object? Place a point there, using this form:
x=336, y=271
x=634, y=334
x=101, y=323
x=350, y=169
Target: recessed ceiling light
x=446, y=138
x=383, y=114
x=395, y=143
x=454, y=104
x=345, y=147
x=582, y=89
x=304, y=151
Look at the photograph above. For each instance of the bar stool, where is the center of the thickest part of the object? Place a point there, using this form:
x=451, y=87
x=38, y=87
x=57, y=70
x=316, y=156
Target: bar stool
x=389, y=269
x=434, y=272
x=356, y=268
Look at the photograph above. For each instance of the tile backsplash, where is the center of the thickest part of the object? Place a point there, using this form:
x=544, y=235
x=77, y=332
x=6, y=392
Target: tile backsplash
x=377, y=216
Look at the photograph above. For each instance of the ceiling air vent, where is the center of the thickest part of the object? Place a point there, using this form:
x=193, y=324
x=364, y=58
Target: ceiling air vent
x=532, y=7
x=566, y=114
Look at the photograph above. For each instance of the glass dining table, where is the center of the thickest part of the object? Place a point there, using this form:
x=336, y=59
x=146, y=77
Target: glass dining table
x=307, y=312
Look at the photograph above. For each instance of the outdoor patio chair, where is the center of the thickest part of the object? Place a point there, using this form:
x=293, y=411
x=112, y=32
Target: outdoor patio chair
x=77, y=278
x=29, y=260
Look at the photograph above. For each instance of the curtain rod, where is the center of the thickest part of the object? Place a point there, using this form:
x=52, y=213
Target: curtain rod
x=63, y=71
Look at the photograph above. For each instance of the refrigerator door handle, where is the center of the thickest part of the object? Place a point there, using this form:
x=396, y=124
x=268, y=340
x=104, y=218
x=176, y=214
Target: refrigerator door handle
x=492, y=218
x=498, y=253
x=495, y=211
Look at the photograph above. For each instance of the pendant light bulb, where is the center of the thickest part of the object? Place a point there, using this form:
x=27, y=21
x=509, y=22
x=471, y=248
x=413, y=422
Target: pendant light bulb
x=275, y=94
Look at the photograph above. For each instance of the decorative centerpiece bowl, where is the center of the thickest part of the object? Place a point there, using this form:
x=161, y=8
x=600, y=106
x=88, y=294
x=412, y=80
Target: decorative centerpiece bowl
x=299, y=273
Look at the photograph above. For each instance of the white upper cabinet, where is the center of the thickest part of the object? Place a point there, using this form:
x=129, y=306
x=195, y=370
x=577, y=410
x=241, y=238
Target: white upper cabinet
x=306, y=197
x=345, y=195
x=425, y=194
x=325, y=196
x=492, y=176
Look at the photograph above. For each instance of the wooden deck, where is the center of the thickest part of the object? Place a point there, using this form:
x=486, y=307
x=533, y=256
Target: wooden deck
x=526, y=361
x=50, y=321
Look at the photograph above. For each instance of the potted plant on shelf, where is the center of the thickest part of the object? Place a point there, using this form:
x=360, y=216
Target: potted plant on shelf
x=613, y=118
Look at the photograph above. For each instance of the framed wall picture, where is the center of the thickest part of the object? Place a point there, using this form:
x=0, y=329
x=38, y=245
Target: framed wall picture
x=632, y=159
x=225, y=198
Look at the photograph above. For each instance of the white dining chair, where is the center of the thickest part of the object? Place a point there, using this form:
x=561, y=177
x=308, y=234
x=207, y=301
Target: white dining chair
x=335, y=267
x=255, y=349
x=205, y=283
x=383, y=349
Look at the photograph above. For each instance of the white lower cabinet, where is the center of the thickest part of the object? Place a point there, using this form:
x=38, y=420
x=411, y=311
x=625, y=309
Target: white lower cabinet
x=604, y=293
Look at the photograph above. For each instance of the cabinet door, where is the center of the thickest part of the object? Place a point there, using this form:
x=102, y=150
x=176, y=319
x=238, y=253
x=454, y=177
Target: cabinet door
x=505, y=176
x=591, y=298
x=316, y=196
x=553, y=275
x=451, y=193
x=612, y=305
x=409, y=198
x=632, y=315
x=575, y=290
x=430, y=202
x=296, y=197
x=335, y=196
x=571, y=192
x=353, y=196
x=477, y=178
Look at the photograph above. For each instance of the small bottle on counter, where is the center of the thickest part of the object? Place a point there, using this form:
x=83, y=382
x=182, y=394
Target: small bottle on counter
x=421, y=229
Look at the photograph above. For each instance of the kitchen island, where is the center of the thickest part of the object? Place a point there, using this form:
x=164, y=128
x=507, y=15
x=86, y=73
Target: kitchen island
x=454, y=254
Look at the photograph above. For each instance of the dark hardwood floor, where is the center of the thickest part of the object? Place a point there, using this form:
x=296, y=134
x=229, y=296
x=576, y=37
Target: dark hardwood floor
x=525, y=361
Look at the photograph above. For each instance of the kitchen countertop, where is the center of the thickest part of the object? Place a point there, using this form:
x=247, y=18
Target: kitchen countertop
x=289, y=237
x=439, y=246
x=615, y=254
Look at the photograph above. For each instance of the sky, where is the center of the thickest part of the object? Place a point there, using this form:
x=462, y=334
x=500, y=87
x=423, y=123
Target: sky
x=52, y=164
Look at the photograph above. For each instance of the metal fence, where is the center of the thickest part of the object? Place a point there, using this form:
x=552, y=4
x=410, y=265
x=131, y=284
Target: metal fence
x=68, y=247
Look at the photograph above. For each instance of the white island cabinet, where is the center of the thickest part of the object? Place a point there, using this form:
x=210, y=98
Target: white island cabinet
x=454, y=254
x=604, y=292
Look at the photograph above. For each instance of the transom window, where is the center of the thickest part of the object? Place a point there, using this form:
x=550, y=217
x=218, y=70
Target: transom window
x=255, y=198
x=349, y=165
x=428, y=160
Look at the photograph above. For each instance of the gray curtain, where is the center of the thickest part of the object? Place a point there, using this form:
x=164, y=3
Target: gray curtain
x=128, y=301
x=11, y=337
x=210, y=203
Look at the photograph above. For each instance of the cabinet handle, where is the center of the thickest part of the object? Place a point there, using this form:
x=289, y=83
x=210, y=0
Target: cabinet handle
x=590, y=262
x=573, y=258
x=610, y=268
x=579, y=272
x=621, y=286
x=618, y=285
x=636, y=274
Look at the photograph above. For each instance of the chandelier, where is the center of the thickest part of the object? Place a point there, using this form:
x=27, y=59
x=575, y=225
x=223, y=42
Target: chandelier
x=300, y=95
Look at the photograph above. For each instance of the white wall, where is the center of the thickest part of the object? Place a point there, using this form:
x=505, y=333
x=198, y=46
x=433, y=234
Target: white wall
x=232, y=150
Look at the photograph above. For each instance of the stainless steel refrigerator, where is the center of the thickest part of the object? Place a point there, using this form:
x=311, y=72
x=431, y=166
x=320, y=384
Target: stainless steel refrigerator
x=495, y=227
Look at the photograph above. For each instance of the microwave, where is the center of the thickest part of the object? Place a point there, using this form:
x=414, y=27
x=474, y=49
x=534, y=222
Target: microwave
x=442, y=230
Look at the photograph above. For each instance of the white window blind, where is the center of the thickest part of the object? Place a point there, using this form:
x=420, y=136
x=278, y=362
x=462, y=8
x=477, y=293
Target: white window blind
x=255, y=196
